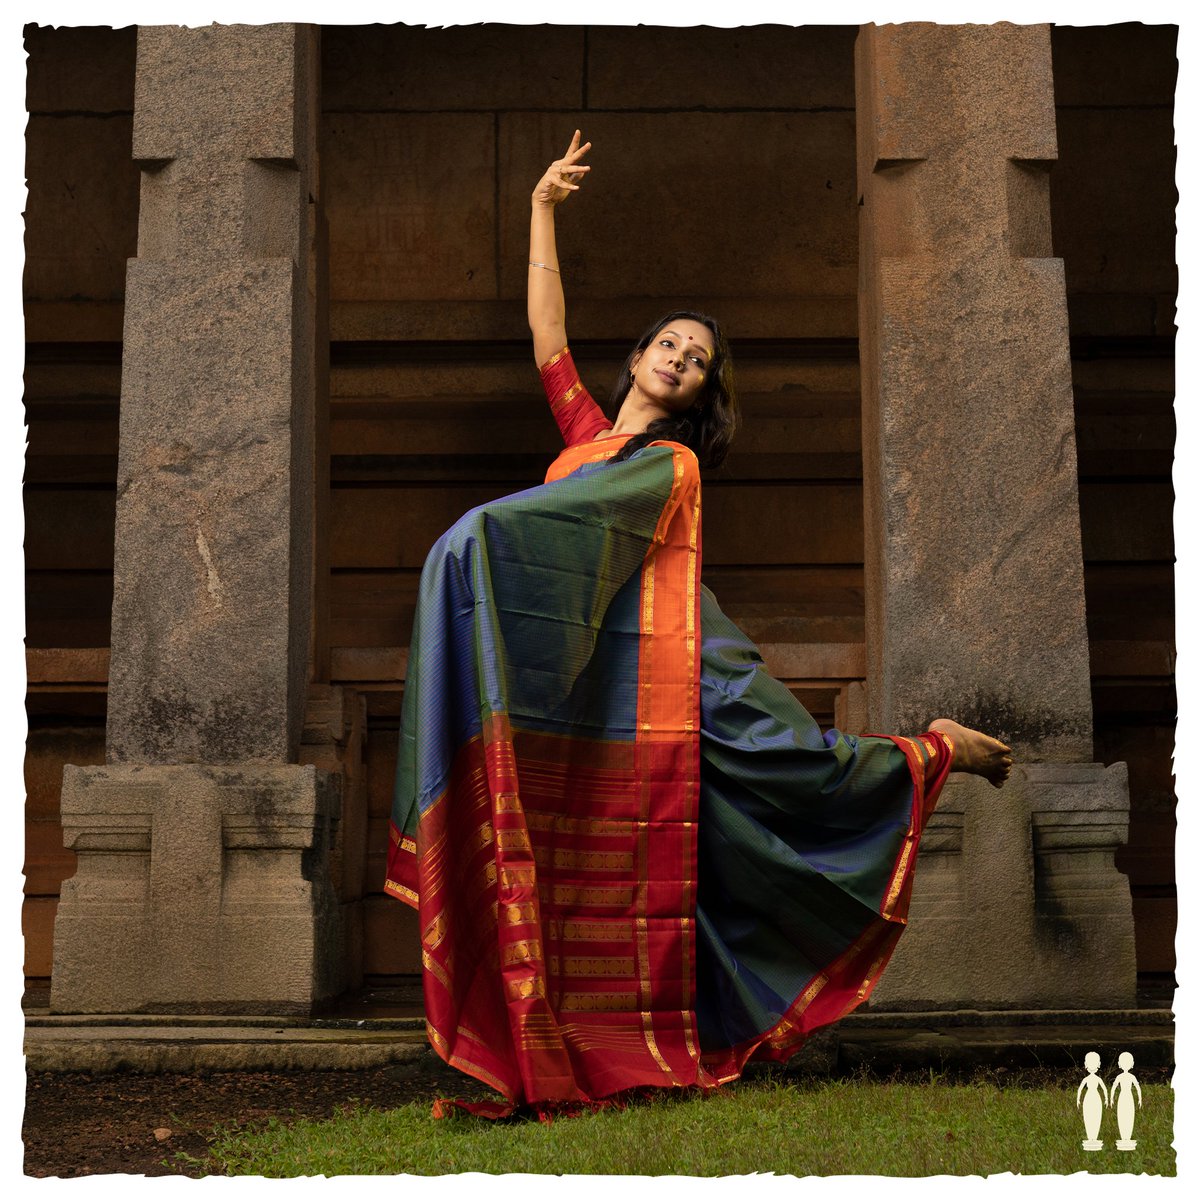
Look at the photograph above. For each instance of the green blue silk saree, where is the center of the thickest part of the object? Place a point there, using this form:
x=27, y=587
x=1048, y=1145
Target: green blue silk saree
x=637, y=860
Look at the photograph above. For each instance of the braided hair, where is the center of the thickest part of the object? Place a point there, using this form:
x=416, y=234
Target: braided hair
x=707, y=428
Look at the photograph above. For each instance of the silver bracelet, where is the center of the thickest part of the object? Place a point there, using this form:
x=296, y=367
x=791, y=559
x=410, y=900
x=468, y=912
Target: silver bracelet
x=545, y=267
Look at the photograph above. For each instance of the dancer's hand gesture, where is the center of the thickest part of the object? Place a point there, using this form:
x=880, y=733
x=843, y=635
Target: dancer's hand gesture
x=562, y=176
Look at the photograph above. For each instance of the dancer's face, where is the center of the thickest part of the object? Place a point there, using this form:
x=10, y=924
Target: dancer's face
x=673, y=368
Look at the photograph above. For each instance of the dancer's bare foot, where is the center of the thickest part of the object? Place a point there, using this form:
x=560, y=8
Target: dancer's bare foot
x=975, y=752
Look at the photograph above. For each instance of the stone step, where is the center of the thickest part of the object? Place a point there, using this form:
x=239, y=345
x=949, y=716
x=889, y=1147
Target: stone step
x=877, y=1042
x=147, y=1046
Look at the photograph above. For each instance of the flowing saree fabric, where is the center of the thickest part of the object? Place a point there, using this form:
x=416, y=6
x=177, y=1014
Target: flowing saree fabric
x=807, y=848
x=636, y=859
x=548, y=780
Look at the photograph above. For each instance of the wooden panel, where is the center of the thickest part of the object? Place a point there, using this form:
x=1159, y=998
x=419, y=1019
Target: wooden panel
x=818, y=523
x=37, y=925
x=1114, y=659
x=473, y=67
x=766, y=66
x=68, y=608
x=69, y=529
x=1126, y=522
x=1124, y=434
x=787, y=660
x=378, y=839
x=47, y=863
x=66, y=666
x=1154, y=923
x=1147, y=748
x=381, y=768
x=1130, y=600
x=69, y=704
x=787, y=435
x=1126, y=701
x=795, y=234
x=82, y=211
x=1148, y=858
x=390, y=936
x=406, y=219
x=623, y=317
x=779, y=604
x=46, y=752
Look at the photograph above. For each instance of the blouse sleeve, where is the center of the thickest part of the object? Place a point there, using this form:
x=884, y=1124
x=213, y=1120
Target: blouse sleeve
x=579, y=417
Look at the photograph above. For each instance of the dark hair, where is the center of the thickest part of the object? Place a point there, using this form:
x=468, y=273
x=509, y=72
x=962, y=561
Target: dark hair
x=707, y=428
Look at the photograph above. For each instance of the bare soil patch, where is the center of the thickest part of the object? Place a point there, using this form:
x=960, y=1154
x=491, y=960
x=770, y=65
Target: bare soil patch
x=83, y=1124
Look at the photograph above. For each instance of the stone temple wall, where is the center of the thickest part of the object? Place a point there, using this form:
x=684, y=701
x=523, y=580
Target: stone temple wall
x=730, y=187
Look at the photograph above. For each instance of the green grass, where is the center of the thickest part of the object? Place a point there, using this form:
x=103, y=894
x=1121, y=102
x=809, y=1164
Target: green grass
x=823, y=1127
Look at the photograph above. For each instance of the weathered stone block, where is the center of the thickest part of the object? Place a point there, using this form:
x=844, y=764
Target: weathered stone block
x=199, y=889
x=411, y=206
x=927, y=92
x=405, y=67
x=204, y=667
x=975, y=581
x=756, y=66
x=801, y=205
x=977, y=526
x=228, y=90
x=974, y=557
x=1021, y=886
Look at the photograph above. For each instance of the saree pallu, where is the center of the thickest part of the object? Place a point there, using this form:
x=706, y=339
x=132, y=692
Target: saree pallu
x=636, y=859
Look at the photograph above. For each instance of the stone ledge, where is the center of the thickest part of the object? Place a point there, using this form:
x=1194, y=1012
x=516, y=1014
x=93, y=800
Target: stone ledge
x=1011, y=1017
x=1010, y=1047
x=149, y=1045
x=43, y=1018
x=876, y=1041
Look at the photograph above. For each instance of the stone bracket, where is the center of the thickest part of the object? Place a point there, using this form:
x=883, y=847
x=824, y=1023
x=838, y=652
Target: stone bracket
x=199, y=889
x=1017, y=897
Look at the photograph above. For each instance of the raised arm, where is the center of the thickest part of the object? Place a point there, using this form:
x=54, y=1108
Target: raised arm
x=547, y=306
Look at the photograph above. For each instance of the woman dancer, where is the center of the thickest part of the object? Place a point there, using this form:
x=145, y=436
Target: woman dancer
x=636, y=858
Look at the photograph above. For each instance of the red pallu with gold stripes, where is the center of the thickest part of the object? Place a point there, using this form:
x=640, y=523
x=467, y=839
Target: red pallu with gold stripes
x=554, y=872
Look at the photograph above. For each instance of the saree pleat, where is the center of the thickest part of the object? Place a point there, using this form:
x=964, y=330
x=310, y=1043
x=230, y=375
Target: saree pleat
x=637, y=860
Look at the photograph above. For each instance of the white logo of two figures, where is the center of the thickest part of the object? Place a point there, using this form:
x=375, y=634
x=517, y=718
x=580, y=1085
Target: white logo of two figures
x=1123, y=1089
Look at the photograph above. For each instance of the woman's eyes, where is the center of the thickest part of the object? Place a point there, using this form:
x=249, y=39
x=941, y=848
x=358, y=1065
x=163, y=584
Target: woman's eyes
x=695, y=357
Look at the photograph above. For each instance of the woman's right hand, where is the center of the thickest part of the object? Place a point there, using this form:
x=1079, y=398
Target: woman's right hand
x=560, y=179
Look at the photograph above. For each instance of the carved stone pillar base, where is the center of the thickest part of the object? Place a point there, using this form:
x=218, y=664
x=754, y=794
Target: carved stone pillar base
x=1017, y=902
x=201, y=889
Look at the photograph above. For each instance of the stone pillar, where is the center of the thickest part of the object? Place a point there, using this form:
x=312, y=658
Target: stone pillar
x=203, y=844
x=974, y=570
